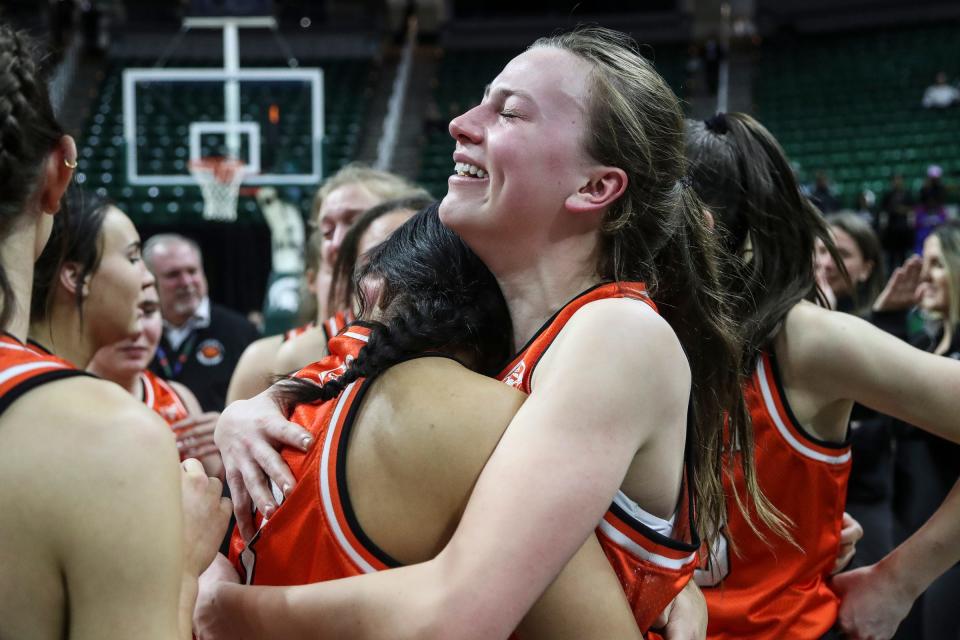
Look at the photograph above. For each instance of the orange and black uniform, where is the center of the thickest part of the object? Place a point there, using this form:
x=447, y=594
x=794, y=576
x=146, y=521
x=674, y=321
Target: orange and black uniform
x=290, y=334
x=336, y=323
x=313, y=536
x=23, y=368
x=652, y=567
x=773, y=589
x=159, y=396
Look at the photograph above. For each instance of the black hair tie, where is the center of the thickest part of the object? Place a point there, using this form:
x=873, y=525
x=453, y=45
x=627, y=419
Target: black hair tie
x=717, y=124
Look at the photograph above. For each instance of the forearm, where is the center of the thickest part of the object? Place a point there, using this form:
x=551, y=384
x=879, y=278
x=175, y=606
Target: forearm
x=396, y=604
x=933, y=549
x=188, y=599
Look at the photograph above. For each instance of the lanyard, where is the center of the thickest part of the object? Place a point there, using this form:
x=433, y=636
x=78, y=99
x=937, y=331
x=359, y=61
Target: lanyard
x=182, y=355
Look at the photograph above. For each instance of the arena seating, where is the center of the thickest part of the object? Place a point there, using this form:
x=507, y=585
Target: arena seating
x=849, y=104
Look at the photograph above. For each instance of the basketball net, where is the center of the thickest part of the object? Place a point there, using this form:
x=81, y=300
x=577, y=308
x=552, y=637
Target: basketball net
x=219, y=180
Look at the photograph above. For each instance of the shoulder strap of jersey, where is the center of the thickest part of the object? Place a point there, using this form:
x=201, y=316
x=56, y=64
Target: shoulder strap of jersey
x=23, y=369
x=769, y=394
x=334, y=494
x=519, y=372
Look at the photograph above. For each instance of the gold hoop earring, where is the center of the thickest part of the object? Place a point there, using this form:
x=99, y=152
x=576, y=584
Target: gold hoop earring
x=71, y=164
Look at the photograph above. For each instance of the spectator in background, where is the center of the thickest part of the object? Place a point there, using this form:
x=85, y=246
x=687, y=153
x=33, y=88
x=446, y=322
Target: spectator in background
x=860, y=249
x=927, y=466
x=822, y=195
x=201, y=341
x=896, y=227
x=940, y=94
x=930, y=212
x=870, y=486
x=866, y=200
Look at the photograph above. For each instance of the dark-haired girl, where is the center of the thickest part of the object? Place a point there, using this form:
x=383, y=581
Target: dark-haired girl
x=89, y=295
x=808, y=366
x=568, y=186
x=94, y=528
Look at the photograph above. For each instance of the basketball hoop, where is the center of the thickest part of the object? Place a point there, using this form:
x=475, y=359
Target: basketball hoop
x=219, y=180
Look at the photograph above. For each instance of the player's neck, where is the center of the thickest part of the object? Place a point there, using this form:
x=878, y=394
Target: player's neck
x=17, y=257
x=540, y=278
x=534, y=294
x=129, y=381
x=62, y=332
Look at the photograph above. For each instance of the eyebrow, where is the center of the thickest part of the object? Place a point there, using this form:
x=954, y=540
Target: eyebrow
x=506, y=93
x=135, y=245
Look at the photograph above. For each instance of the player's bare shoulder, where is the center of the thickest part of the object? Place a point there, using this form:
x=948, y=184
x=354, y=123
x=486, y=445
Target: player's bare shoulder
x=618, y=338
x=299, y=351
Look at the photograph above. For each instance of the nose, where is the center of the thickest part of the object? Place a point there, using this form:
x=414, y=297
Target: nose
x=147, y=279
x=465, y=128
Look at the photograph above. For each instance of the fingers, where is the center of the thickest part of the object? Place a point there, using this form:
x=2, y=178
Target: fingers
x=664, y=616
x=242, y=505
x=844, y=557
x=226, y=510
x=194, y=438
x=255, y=483
x=288, y=433
x=199, y=451
x=272, y=463
x=203, y=422
x=192, y=467
x=850, y=531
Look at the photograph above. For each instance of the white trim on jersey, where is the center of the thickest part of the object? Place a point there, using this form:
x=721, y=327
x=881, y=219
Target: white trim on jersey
x=624, y=542
x=15, y=347
x=13, y=372
x=325, y=490
x=782, y=428
x=149, y=397
x=332, y=326
x=356, y=336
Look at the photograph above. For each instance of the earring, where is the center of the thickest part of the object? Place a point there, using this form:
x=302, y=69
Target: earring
x=71, y=164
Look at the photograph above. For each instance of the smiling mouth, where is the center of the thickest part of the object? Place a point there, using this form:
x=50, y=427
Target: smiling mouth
x=469, y=170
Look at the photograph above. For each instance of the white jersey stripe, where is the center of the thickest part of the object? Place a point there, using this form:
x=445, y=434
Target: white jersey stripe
x=629, y=545
x=13, y=372
x=356, y=336
x=325, y=489
x=782, y=428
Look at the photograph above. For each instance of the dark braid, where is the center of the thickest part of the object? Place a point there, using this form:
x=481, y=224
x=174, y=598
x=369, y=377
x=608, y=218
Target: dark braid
x=28, y=133
x=435, y=295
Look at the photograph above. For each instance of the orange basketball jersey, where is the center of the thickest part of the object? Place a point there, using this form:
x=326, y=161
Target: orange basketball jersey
x=778, y=591
x=159, y=396
x=336, y=323
x=652, y=567
x=290, y=334
x=313, y=536
x=23, y=368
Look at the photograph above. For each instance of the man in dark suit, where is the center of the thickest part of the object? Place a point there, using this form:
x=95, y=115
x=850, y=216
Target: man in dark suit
x=202, y=340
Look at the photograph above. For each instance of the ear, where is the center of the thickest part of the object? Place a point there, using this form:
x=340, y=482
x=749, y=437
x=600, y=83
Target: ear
x=70, y=279
x=57, y=173
x=867, y=271
x=603, y=187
